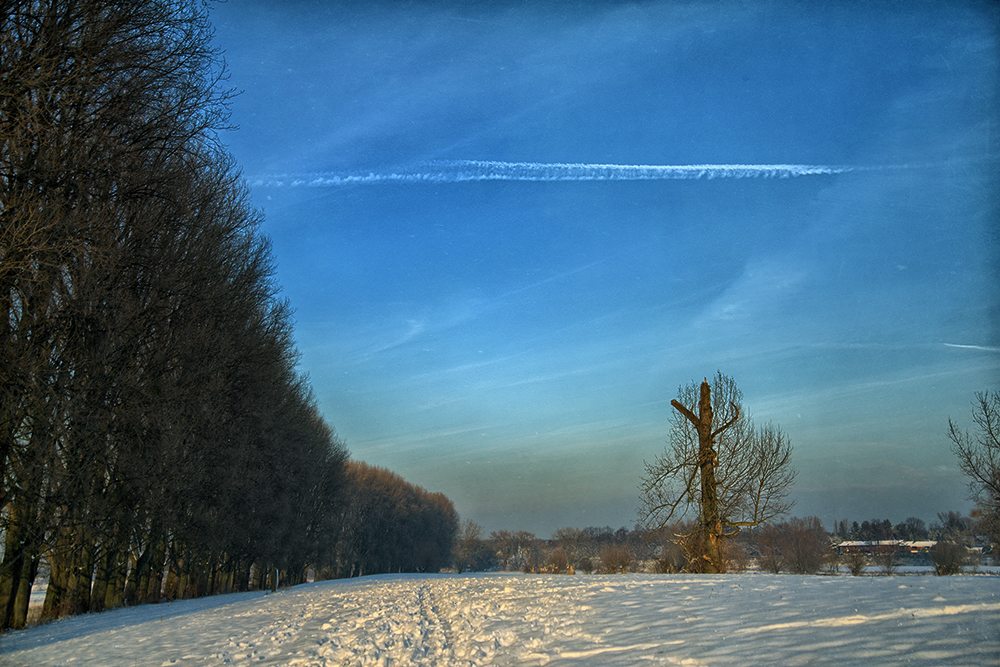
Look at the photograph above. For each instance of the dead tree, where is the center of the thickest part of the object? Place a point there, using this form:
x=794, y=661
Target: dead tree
x=719, y=464
x=711, y=522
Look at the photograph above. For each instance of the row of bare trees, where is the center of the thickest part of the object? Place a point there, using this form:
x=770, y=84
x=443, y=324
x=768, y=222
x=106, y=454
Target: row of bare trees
x=389, y=525
x=154, y=433
x=569, y=550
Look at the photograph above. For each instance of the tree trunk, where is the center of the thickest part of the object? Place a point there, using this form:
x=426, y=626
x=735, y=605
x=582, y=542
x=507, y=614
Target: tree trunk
x=81, y=578
x=114, y=595
x=102, y=578
x=10, y=569
x=138, y=579
x=29, y=571
x=157, y=561
x=55, y=594
x=9, y=587
x=711, y=522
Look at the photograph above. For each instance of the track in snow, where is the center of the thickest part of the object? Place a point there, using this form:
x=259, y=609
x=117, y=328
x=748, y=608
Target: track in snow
x=537, y=620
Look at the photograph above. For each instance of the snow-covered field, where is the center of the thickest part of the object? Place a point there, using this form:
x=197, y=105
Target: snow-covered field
x=507, y=619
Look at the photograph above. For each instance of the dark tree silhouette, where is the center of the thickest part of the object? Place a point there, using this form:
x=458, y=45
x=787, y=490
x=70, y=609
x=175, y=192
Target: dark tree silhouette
x=151, y=417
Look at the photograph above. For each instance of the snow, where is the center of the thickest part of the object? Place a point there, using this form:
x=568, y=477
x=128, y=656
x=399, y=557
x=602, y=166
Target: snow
x=508, y=619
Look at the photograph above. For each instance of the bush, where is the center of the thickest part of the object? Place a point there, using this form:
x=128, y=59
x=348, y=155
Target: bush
x=855, y=563
x=798, y=546
x=887, y=559
x=558, y=561
x=769, y=557
x=803, y=545
x=949, y=557
x=586, y=565
x=735, y=556
x=616, y=559
x=831, y=562
x=671, y=553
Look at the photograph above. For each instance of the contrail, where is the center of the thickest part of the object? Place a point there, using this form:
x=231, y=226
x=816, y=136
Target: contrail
x=982, y=348
x=463, y=171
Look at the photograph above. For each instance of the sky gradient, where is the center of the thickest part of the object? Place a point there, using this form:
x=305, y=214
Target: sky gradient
x=495, y=301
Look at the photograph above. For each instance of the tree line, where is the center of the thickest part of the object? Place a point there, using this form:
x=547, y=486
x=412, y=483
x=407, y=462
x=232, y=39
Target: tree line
x=949, y=525
x=714, y=500
x=390, y=525
x=794, y=545
x=156, y=438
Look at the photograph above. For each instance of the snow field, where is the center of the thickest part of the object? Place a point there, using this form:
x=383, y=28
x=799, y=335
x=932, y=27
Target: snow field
x=506, y=619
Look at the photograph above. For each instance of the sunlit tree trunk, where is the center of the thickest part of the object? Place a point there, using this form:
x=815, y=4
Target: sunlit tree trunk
x=29, y=572
x=711, y=521
x=14, y=563
x=55, y=593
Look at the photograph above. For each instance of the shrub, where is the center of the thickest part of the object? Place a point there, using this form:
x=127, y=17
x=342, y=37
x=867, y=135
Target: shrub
x=831, y=562
x=949, y=557
x=671, y=553
x=798, y=546
x=532, y=562
x=769, y=557
x=887, y=559
x=856, y=563
x=803, y=544
x=558, y=562
x=616, y=558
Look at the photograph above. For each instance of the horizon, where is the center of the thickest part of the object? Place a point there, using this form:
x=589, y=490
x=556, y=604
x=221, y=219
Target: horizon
x=511, y=232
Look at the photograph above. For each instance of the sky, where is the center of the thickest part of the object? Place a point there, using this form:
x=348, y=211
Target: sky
x=506, y=253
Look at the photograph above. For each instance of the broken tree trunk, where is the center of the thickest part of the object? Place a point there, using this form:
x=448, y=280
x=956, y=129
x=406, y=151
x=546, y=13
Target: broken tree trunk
x=711, y=521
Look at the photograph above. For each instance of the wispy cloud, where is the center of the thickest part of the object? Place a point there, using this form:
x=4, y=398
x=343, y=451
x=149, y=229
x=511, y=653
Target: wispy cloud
x=762, y=285
x=558, y=276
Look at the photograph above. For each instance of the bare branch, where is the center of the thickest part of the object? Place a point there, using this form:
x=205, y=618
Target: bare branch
x=680, y=407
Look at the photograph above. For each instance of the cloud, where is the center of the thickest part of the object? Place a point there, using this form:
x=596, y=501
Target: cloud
x=763, y=286
x=981, y=348
x=463, y=171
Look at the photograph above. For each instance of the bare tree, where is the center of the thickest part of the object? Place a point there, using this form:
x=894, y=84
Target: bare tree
x=856, y=562
x=979, y=458
x=468, y=545
x=390, y=525
x=101, y=104
x=718, y=465
x=570, y=541
x=949, y=556
x=558, y=561
x=616, y=558
x=804, y=545
x=504, y=546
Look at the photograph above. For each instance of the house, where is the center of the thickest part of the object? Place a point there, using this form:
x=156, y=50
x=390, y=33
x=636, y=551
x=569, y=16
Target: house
x=919, y=546
x=872, y=548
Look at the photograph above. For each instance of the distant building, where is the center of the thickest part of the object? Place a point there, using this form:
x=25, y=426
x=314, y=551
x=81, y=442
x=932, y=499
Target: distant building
x=920, y=546
x=872, y=548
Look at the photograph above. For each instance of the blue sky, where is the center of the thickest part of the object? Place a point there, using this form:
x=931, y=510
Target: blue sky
x=515, y=343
